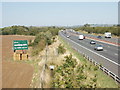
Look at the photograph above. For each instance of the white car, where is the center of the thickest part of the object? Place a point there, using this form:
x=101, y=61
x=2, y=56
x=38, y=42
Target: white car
x=98, y=48
x=92, y=42
x=68, y=36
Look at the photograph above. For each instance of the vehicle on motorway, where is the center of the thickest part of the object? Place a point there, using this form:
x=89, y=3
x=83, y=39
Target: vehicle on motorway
x=81, y=37
x=98, y=47
x=92, y=42
x=100, y=37
x=68, y=36
x=107, y=35
x=61, y=30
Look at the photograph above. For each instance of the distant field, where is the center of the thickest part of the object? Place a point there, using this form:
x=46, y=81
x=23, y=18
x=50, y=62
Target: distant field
x=14, y=75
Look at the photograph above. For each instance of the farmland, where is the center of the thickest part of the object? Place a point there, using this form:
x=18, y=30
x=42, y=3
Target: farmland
x=7, y=51
x=17, y=75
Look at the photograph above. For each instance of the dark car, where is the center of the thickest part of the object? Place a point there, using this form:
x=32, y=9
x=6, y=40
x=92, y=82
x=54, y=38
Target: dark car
x=100, y=37
x=92, y=42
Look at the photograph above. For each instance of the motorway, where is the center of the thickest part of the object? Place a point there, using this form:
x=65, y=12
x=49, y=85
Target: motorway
x=114, y=40
x=108, y=57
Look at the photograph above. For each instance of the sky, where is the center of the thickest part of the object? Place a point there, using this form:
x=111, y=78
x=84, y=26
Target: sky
x=58, y=13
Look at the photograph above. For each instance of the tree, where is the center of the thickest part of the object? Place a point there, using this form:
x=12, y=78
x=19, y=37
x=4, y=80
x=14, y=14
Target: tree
x=87, y=25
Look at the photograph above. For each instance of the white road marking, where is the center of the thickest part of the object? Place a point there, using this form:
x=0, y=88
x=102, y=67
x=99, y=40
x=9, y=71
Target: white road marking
x=93, y=52
x=116, y=54
x=105, y=50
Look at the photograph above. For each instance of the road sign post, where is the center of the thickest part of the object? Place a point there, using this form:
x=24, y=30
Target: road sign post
x=20, y=46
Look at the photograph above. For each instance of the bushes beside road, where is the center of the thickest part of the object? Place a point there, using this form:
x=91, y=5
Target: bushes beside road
x=100, y=30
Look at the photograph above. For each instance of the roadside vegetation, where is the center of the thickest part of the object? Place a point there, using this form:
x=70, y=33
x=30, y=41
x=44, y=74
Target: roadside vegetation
x=61, y=49
x=80, y=73
x=32, y=30
x=99, y=30
x=43, y=35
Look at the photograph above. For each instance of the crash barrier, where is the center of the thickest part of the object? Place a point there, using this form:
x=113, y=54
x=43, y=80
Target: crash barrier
x=105, y=70
x=108, y=72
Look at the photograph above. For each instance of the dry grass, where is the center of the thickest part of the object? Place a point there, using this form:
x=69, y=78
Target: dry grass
x=52, y=59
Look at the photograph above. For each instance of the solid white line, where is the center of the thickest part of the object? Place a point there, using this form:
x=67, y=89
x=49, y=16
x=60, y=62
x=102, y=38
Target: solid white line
x=93, y=52
x=105, y=50
x=116, y=54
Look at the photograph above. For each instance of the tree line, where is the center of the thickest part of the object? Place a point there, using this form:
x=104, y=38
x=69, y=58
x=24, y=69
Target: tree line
x=100, y=30
x=23, y=30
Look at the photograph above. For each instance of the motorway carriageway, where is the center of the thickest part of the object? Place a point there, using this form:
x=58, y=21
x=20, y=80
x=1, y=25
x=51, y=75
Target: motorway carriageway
x=114, y=41
x=109, y=51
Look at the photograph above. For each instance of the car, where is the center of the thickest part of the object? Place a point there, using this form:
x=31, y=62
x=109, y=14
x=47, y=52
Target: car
x=92, y=42
x=100, y=37
x=68, y=36
x=98, y=48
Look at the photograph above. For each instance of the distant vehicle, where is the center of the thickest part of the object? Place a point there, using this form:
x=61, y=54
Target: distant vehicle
x=107, y=35
x=76, y=32
x=100, y=37
x=64, y=32
x=61, y=30
x=98, y=48
x=68, y=36
x=81, y=37
x=92, y=42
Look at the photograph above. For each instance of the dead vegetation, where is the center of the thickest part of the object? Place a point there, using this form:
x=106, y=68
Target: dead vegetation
x=52, y=58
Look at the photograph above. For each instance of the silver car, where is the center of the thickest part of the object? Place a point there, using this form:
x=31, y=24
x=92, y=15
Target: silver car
x=98, y=48
x=92, y=42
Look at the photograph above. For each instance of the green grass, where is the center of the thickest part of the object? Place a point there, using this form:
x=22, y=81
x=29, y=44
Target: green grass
x=103, y=80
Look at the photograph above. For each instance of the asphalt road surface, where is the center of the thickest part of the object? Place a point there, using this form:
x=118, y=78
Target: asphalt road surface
x=108, y=57
x=114, y=40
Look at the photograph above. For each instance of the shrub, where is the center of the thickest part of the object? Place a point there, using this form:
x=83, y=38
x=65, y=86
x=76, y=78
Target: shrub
x=95, y=80
x=96, y=68
x=61, y=49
